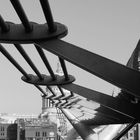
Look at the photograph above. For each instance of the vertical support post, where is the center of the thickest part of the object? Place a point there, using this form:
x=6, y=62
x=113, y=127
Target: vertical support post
x=28, y=60
x=20, y=12
x=44, y=59
x=63, y=65
x=48, y=15
x=83, y=130
x=43, y=103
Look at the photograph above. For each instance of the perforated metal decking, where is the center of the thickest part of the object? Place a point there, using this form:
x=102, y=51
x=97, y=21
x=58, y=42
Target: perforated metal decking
x=109, y=110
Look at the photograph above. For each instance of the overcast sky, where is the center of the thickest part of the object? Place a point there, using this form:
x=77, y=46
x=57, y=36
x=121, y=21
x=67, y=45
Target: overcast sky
x=106, y=27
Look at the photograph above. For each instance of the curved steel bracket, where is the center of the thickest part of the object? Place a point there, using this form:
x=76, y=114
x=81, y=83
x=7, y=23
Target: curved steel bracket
x=47, y=80
x=40, y=32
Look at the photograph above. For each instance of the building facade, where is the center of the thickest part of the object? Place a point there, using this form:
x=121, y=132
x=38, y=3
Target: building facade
x=8, y=131
x=3, y=131
x=37, y=129
x=40, y=133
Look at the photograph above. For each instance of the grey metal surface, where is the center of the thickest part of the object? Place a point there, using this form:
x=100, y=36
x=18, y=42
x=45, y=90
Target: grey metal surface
x=112, y=72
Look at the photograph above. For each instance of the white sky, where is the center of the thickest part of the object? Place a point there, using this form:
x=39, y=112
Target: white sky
x=106, y=27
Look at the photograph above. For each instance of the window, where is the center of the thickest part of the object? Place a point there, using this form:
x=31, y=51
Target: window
x=44, y=134
x=37, y=134
x=131, y=134
x=2, y=134
x=2, y=128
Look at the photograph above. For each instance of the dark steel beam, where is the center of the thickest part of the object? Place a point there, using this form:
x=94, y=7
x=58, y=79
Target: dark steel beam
x=50, y=97
x=40, y=89
x=68, y=97
x=57, y=104
x=71, y=103
x=44, y=59
x=125, y=130
x=106, y=69
x=60, y=96
x=61, y=90
x=112, y=113
x=62, y=104
x=118, y=105
x=50, y=89
x=63, y=65
x=102, y=120
x=53, y=93
x=57, y=97
x=97, y=114
x=103, y=116
x=28, y=60
x=3, y=25
x=13, y=61
x=48, y=15
x=20, y=12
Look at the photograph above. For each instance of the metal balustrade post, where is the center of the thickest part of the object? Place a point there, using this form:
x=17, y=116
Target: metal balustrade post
x=40, y=89
x=50, y=89
x=63, y=65
x=28, y=60
x=20, y=12
x=48, y=15
x=13, y=61
x=44, y=59
x=68, y=97
x=60, y=96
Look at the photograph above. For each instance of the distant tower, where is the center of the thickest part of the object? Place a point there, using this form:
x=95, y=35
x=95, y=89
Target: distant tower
x=49, y=111
x=45, y=103
x=59, y=70
x=47, y=106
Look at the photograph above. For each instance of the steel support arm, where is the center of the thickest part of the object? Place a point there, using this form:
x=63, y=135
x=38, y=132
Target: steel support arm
x=106, y=69
x=83, y=130
x=118, y=105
